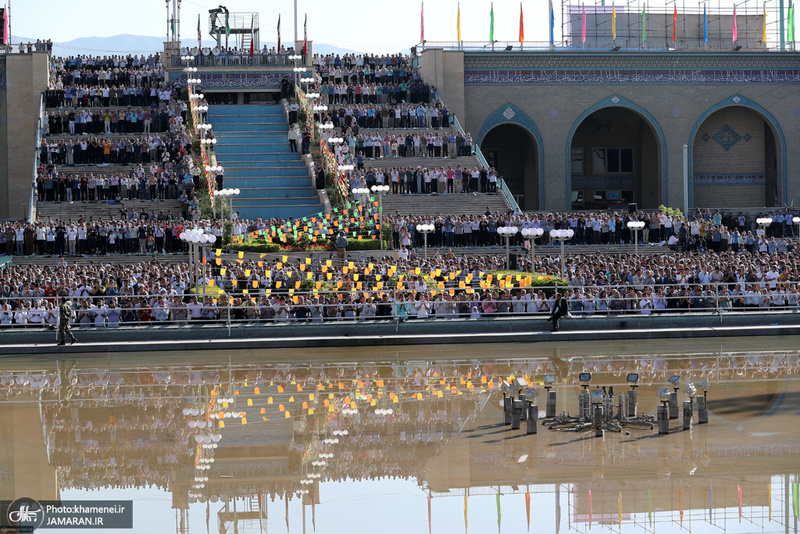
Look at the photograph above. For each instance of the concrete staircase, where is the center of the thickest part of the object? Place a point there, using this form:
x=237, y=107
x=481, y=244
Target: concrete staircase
x=454, y=204
x=252, y=147
x=66, y=211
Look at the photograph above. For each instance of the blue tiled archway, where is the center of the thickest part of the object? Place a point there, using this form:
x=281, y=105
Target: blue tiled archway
x=508, y=113
x=616, y=101
x=740, y=101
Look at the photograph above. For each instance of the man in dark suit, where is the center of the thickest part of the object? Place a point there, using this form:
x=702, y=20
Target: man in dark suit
x=559, y=310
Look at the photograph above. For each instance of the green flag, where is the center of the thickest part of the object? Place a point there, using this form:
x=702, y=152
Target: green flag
x=491, y=24
x=644, y=23
x=227, y=25
x=790, y=37
x=172, y=25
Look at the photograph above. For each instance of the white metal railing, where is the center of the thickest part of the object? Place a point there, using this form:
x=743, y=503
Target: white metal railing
x=473, y=301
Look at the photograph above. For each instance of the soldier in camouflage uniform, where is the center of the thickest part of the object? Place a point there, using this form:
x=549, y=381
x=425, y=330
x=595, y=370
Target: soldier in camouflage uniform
x=64, y=318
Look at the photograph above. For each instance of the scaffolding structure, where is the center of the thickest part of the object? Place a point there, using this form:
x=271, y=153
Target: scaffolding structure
x=234, y=30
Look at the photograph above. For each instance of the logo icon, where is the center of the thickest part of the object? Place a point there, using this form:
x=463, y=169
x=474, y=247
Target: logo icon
x=26, y=512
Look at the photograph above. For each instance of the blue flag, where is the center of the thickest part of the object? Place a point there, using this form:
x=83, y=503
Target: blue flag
x=552, y=24
x=705, y=25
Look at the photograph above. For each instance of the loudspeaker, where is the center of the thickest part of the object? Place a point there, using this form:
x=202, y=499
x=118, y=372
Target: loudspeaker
x=632, y=208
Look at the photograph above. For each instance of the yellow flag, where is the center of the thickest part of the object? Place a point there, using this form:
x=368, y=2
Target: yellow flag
x=613, y=22
x=458, y=23
x=764, y=31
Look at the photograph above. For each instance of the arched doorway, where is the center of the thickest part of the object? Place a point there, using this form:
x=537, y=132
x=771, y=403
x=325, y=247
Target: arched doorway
x=512, y=151
x=735, y=160
x=615, y=159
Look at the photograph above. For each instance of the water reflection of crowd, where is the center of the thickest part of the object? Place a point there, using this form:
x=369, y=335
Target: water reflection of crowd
x=114, y=428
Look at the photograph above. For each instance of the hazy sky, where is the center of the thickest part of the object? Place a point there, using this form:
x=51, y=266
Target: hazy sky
x=366, y=25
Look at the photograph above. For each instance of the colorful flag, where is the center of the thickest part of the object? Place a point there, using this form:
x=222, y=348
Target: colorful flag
x=613, y=22
x=458, y=23
x=528, y=509
x=279, y=33
x=199, y=35
x=705, y=25
x=644, y=23
x=521, y=25
x=422, y=23
x=583, y=24
x=674, y=23
x=735, y=28
x=429, y=515
x=790, y=27
x=252, y=35
x=491, y=23
x=466, y=511
x=305, y=35
x=499, y=512
x=552, y=24
x=6, y=37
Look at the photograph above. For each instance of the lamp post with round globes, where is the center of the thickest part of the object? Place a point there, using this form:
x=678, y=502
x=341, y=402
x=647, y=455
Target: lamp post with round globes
x=796, y=220
x=635, y=226
x=507, y=232
x=561, y=235
x=197, y=239
x=228, y=194
x=380, y=190
x=426, y=229
x=763, y=223
x=532, y=234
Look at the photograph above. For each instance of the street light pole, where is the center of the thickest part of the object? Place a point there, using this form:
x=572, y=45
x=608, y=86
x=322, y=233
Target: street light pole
x=426, y=229
x=561, y=235
x=635, y=226
x=532, y=234
x=508, y=232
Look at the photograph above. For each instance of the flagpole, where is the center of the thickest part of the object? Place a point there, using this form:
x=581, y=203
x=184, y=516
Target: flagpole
x=295, y=24
x=783, y=37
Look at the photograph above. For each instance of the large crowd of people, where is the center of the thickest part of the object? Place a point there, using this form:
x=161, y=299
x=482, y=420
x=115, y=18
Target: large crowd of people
x=444, y=285
x=104, y=113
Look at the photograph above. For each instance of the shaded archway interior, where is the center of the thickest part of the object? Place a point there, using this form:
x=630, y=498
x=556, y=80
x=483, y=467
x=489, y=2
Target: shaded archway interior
x=512, y=151
x=735, y=161
x=615, y=161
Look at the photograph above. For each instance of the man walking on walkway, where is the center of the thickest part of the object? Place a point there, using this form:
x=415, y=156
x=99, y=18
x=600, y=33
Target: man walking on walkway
x=64, y=317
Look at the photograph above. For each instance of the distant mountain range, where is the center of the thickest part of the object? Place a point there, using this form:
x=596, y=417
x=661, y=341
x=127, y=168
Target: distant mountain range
x=140, y=44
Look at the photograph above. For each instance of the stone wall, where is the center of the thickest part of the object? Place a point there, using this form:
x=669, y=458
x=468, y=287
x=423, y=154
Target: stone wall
x=26, y=77
x=550, y=93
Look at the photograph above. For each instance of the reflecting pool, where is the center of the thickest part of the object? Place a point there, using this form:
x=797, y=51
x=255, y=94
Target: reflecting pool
x=410, y=440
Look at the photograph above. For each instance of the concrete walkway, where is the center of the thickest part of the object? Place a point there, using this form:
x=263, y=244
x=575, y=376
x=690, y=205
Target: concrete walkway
x=387, y=333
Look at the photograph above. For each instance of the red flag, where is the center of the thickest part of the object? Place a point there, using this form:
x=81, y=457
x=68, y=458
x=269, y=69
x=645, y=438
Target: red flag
x=429, y=514
x=521, y=25
x=252, y=36
x=422, y=23
x=305, y=35
x=279, y=33
x=6, y=37
x=674, y=23
x=739, y=486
